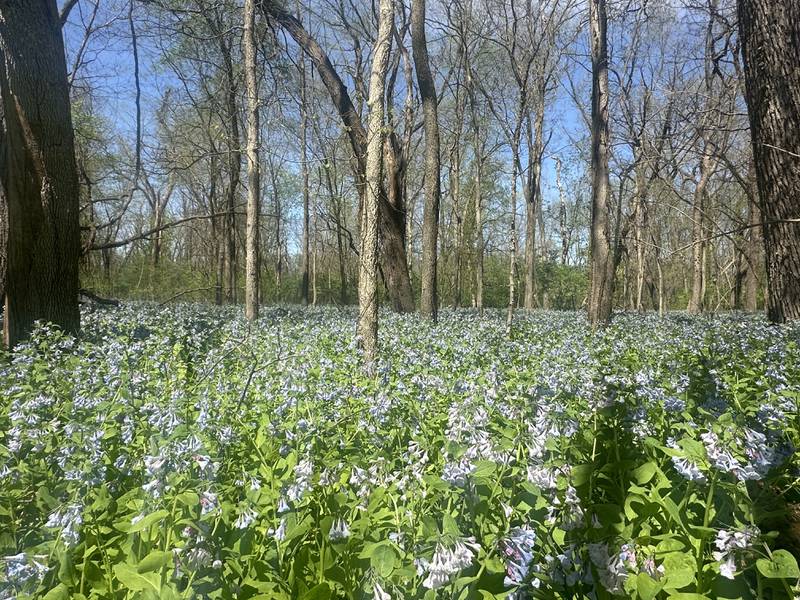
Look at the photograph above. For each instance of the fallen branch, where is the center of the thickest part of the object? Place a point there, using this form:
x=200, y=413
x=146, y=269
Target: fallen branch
x=184, y=292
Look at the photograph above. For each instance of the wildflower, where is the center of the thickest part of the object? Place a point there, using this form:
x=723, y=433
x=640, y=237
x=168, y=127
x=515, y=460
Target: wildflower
x=517, y=548
x=197, y=558
x=246, y=518
x=280, y=533
x=610, y=567
x=688, y=469
x=68, y=519
x=456, y=473
x=447, y=562
x=208, y=503
x=732, y=545
x=339, y=531
x=378, y=592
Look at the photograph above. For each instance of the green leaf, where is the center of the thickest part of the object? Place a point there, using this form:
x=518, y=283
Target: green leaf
x=153, y=561
x=687, y=596
x=135, y=581
x=647, y=587
x=143, y=523
x=382, y=560
x=580, y=474
x=644, y=473
x=369, y=549
x=449, y=525
x=782, y=566
x=60, y=592
x=679, y=569
x=672, y=510
x=318, y=592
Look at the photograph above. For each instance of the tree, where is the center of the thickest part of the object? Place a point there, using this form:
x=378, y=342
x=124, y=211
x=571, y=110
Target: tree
x=306, y=259
x=38, y=173
x=601, y=282
x=368, y=263
x=430, y=221
x=392, y=213
x=253, y=172
x=770, y=37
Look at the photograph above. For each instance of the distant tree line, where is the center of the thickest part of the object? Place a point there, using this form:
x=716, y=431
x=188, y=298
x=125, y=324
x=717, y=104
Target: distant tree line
x=597, y=154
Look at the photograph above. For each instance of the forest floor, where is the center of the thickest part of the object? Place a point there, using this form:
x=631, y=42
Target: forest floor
x=181, y=452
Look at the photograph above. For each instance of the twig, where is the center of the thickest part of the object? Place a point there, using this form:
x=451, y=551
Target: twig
x=184, y=292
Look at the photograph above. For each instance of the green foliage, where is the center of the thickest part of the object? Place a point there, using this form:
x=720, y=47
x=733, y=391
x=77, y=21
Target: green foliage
x=180, y=452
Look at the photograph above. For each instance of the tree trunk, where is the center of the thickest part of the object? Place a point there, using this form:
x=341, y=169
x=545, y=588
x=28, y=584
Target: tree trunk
x=430, y=220
x=3, y=203
x=253, y=168
x=38, y=174
x=234, y=172
x=306, y=241
x=562, y=214
x=533, y=206
x=755, y=255
x=601, y=284
x=368, y=254
x=698, y=233
x=770, y=35
x=512, y=265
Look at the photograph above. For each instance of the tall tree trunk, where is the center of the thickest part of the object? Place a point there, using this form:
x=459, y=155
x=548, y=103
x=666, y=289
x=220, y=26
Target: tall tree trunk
x=158, y=221
x=306, y=241
x=512, y=264
x=368, y=254
x=234, y=171
x=479, y=243
x=698, y=234
x=770, y=35
x=253, y=167
x=533, y=203
x=601, y=282
x=3, y=203
x=640, y=222
x=562, y=214
x=430, y=220
x=455, y=195
x=38, y=175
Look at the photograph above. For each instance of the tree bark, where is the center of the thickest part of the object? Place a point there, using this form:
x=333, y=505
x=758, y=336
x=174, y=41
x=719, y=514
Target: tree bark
x=39, y=174
x=229, y=259
x=512, y=264
x=253, y=167
x=306, y=241
x=696, y=299
x=601, y=284
x=770, y=36
x=3, y=203
x=368, y=253
x=430, y=220
x=533, y=206
x=477, y=142
x=562, y=214
x=755, y=253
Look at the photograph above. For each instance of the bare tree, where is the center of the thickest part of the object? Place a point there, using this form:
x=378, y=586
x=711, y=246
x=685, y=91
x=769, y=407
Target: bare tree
x=601, y=281
x=430, y=223
x=368, y=255
x=253, y=168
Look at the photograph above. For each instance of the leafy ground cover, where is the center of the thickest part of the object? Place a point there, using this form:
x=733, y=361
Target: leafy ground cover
x=178, y=453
